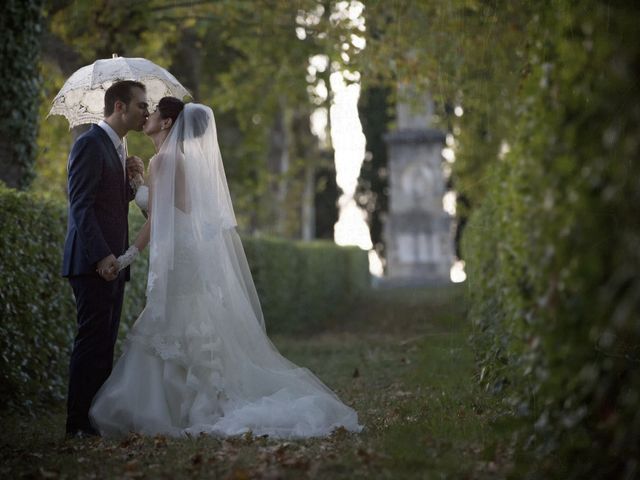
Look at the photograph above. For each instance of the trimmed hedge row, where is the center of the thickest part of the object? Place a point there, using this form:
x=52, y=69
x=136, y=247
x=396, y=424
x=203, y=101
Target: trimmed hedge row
x=301, y=285
x=36, y=304
x=553, y=251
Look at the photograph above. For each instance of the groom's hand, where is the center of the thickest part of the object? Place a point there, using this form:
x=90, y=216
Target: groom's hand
x=135, y=167
x=108, y=268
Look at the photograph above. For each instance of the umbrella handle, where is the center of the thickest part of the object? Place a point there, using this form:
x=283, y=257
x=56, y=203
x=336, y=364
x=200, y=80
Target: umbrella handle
x=138, y=180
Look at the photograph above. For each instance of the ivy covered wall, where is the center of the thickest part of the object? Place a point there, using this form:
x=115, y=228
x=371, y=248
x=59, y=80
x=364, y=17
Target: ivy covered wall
x=20, y=28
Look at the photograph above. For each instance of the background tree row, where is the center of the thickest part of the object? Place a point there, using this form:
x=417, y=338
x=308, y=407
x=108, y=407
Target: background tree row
x=250, y=62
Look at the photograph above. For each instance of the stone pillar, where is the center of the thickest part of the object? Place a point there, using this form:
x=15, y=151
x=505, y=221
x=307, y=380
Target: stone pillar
x=418, y=231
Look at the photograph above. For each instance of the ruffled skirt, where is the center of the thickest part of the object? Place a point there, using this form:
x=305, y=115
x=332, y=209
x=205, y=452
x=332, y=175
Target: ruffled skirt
x=215, y=372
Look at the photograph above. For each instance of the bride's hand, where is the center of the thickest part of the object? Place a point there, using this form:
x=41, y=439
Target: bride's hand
x=127, y=257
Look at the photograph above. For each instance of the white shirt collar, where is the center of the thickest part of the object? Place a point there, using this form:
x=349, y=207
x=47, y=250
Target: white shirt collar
x=117, y=141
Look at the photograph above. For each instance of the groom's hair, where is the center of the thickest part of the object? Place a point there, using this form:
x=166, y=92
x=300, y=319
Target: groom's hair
x=119, y=91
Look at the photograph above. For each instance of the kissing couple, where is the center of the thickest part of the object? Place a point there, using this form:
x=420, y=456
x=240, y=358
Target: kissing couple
x=197, y=359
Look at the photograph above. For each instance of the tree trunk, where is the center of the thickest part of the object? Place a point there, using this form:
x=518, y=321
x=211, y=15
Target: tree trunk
x=308, y=203
x=278, y=165
x=186, y=62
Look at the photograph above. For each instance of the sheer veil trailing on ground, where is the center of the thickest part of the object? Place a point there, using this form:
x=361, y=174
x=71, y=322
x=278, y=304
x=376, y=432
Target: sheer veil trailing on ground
x=198, y=358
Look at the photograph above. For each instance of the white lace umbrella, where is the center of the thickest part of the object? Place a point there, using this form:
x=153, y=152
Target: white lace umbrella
x=81, y=98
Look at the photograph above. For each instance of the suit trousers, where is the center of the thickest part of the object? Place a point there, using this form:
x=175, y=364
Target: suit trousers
x=99, y=305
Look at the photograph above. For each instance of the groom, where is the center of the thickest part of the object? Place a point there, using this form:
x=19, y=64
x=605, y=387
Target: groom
x=97, y=232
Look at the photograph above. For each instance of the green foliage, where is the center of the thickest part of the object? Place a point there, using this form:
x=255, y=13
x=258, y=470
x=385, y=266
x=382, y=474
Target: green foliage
x=300, y=286
x=54, y=139
x=469, y=53
x=553, y=248
x=247, y=60
x=98, y=28
x=546, y=162
x=20, y=27
x=36, y=303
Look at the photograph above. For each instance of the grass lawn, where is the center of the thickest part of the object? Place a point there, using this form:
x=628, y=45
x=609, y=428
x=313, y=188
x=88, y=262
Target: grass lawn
x=400, y=357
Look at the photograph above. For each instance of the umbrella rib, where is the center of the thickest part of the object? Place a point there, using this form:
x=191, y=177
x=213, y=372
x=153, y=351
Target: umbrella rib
x=131, y=75
x=92, y=70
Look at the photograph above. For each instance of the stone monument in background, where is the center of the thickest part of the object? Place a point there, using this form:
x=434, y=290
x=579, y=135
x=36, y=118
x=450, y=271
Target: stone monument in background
x=418, y=232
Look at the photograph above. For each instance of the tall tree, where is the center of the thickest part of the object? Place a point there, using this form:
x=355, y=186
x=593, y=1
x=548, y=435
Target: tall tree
x=372, y=193
x=249, y=61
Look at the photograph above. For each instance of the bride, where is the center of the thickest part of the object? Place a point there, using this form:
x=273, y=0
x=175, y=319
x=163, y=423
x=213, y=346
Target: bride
x=198, y=360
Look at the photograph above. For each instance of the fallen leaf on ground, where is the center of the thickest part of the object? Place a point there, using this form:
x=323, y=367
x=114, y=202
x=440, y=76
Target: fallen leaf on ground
x=160, y=441
x=48, y=473
x=240, y=474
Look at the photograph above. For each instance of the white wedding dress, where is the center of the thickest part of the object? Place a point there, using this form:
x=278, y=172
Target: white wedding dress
x=198, y=359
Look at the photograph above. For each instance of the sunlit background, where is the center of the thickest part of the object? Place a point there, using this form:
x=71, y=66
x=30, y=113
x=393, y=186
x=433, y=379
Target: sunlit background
x=349, y=145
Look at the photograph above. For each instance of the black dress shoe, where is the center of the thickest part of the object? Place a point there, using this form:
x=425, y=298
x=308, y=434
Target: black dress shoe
x=83, y=433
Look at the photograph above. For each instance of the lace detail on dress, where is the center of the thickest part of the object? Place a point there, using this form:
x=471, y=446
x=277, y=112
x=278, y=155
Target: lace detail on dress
x=167, y=348
x=185, y=331
x=200, y=355
x=151, y=280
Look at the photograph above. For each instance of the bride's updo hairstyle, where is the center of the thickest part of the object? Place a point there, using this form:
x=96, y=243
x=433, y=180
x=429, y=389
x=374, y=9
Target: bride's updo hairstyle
x=170, y=107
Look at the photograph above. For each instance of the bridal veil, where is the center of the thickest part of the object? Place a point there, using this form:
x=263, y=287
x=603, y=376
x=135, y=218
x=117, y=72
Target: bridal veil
x=198, y=359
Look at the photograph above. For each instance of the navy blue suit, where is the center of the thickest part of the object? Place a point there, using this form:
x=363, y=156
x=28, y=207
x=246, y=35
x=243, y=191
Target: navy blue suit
x=98, y=227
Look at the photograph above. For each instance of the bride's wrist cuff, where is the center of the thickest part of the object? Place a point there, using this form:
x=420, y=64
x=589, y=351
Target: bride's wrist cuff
x=128, y=257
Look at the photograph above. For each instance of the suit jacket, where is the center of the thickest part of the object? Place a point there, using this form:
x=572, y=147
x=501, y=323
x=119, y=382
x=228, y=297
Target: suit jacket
x=98, y=204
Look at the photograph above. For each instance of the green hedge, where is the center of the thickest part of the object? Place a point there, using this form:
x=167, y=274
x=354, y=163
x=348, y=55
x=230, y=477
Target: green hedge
x=553, y=250
x=37, y=307
x=301, y=285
